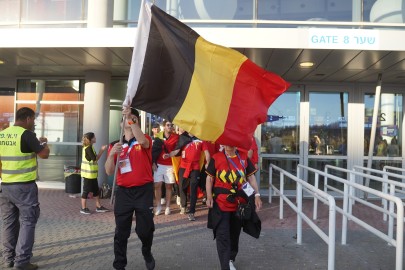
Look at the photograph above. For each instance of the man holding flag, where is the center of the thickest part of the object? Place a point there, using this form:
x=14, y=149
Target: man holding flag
x=134, y=189
x=202, y=87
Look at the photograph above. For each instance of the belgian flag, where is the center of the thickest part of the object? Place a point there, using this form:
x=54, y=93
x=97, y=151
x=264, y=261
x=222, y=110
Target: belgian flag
x=213, y=92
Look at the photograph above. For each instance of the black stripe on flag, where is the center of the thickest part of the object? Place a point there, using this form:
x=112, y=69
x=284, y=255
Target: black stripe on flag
x=168, y=67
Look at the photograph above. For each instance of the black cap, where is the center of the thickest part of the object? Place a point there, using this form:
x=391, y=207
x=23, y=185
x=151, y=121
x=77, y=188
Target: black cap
x=156, y=125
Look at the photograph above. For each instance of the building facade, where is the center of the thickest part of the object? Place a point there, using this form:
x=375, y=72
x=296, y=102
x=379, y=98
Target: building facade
x=69, y=60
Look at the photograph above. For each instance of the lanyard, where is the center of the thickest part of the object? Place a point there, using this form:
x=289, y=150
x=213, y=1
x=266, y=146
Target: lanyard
x=242, y=173
x=130, y=147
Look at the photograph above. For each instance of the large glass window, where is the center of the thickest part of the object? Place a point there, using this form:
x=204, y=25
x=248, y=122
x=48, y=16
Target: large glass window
x=57, y=103
x=59, y=108
x=327, y=143
x=328, y=123
x=51, y=10
x=388, y=137
x=294, y=10
x=6, y=108
x=280, y=138
x=280, y=134
x=9, y=11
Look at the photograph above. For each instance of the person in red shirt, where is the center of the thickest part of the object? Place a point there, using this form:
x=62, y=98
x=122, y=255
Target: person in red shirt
x=163, y=167
x=227, y=172
x=134, y=189
x=190, y=148
x=209, y=148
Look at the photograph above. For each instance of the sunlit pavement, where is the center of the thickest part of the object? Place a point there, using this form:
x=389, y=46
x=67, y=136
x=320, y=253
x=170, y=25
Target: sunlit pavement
x=66, y=239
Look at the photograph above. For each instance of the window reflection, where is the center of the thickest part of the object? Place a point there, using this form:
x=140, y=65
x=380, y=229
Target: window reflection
x=50, y=10
x=280, y=134
x=59, y=111
x=328, y=123
x=388, y=138
x=9, y=10
x=6, y=108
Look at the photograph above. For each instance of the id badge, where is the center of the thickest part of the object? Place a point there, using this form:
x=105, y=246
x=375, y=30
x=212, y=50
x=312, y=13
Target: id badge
x=247, y=188
x=125, y=166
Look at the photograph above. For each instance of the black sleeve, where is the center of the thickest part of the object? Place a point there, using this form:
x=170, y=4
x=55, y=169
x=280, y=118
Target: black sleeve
x=251, y=169
x=30, y=143
x=89, y=154
x=211, y=170
x=156, y=149
x=184, y=139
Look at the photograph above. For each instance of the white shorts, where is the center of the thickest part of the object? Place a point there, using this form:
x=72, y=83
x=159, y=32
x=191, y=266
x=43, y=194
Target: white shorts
x=164, y=173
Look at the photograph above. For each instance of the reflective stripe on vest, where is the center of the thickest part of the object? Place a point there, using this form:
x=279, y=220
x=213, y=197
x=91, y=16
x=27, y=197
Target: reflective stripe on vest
x=17, y=167
x=88, y=169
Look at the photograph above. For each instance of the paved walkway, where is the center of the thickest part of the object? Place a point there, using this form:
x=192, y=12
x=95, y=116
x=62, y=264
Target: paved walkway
x=66, y=239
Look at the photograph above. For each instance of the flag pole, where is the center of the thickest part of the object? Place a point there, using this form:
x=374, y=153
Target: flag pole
x=116, y=164
x=377, y=97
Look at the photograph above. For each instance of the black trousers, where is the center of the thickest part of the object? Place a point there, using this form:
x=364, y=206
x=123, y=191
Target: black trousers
x=227, y=235
x=184, y=183
x=127, y=201
x=203, y=179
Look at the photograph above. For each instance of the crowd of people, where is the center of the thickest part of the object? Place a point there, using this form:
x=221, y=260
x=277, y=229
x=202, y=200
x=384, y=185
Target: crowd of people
x=147, y=170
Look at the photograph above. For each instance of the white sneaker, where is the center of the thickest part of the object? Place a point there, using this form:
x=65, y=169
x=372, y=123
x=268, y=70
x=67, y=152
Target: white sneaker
x=178, y=200
x=167, y=211
x=231, y=266
x=163, y=201
x=158, y=210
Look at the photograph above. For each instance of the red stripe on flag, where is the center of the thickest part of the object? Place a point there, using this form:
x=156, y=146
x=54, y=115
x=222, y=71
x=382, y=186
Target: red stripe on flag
x=255, y=89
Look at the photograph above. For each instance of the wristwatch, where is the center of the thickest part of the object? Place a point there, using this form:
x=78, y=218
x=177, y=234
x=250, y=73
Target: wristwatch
x=257, y=195
x=132, y=121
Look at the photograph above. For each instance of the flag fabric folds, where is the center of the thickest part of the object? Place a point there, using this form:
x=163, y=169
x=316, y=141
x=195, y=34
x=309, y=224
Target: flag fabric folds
x=213, y=92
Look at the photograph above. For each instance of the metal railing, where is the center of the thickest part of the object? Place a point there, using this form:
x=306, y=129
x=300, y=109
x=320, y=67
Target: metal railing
x=319, y=194
x=349, y=198
x=392, y=191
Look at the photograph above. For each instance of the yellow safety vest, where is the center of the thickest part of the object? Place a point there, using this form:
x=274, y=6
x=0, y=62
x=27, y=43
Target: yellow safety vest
x=89, y=169
x=17, y=167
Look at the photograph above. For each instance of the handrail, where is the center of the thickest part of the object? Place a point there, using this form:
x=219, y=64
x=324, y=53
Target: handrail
x=393, y=188
x=326, y=198
x=399, y=242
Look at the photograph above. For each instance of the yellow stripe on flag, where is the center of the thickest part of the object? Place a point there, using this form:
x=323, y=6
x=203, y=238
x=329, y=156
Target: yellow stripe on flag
x=215, y=71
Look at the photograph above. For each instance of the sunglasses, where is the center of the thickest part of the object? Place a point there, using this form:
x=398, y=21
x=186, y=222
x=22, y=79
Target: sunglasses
x=169, y=125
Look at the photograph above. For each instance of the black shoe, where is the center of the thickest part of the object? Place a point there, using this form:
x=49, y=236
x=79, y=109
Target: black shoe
x=150, y=265
x=27, y=266
x=85, y=211
x=102, y=209
x=9, y=264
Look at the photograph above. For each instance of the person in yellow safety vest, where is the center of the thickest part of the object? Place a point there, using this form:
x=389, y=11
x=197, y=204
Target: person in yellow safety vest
x=89, y=172
x=19, y=205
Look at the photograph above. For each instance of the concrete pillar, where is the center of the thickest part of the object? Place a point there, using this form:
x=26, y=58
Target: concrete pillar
x=96, y=112
x=100, y=13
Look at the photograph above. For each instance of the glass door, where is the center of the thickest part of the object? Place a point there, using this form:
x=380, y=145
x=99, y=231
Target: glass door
x=387, y=149
x=327, y=134
x=280, y=138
